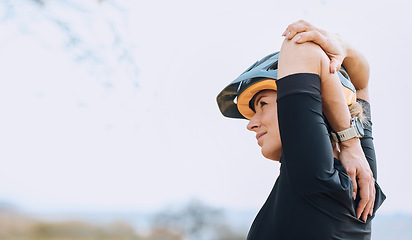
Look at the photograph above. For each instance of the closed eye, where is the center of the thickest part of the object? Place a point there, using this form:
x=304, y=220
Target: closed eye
x=262, y=103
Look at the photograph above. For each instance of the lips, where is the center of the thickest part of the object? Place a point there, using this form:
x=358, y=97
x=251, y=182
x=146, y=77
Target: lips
x=259, y=135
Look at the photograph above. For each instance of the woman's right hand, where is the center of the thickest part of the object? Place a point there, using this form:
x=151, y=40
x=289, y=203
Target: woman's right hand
x=357, y=167
x=332, y=44
x=339, y=51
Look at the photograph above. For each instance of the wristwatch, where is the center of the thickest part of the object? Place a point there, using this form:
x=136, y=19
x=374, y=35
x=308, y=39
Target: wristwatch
x=355, y=130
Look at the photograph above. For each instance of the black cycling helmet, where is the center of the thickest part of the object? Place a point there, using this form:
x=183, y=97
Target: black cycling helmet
x=234, y=99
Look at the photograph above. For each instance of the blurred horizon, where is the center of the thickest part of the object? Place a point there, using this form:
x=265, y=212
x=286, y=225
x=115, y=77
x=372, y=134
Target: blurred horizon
x=146, y=224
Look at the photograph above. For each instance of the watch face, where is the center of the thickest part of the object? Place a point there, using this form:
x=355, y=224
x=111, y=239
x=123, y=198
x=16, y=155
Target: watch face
x=359, y=126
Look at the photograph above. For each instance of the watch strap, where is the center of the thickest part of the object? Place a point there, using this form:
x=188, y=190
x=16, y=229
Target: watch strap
x=345, y=134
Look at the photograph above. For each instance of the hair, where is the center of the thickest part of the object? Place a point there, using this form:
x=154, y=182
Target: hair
x=356, y=110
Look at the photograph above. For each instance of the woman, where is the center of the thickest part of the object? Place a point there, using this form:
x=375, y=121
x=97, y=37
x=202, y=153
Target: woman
x=313, y=197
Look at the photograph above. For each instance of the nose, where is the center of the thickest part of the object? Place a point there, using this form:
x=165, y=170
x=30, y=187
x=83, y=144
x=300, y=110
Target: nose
x=254, y=123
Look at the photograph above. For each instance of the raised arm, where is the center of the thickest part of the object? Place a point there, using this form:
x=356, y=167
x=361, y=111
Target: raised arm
x=341, y=52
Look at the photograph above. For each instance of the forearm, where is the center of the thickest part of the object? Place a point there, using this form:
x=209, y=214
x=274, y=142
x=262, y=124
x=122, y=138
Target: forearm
x=333, y=100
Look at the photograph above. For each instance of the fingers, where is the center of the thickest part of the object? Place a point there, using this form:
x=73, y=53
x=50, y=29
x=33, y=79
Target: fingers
x=319, y=39
x=334, y=65
x=296, y=27
x=367, y=210
x=369, y=207
x=303, y=32
x=309, y=36
x=373, y=204
x=364, y=197
x=373, y=192
x=367, y=194
x=365, y=213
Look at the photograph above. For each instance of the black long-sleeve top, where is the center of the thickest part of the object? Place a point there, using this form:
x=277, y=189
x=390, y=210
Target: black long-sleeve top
x=312, y=197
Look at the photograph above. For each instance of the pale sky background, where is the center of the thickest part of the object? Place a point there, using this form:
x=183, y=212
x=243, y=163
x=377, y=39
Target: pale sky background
x=78, y=136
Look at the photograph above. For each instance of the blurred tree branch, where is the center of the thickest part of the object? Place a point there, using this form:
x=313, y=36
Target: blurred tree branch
x=194, y=221
x=92, y=31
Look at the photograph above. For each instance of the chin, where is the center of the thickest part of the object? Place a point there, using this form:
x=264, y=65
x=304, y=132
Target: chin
x=272, y=155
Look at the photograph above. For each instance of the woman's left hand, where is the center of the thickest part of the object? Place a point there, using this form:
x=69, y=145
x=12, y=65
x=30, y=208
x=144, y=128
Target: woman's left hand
x=333, y=45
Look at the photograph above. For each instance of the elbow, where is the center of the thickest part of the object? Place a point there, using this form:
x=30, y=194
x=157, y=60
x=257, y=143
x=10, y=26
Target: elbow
x=305, y=57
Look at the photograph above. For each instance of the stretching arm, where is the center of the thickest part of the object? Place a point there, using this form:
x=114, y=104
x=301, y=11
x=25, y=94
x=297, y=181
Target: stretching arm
x=309, y=57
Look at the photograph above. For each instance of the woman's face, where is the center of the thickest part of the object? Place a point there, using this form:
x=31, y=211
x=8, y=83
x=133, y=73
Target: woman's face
x=265, y=124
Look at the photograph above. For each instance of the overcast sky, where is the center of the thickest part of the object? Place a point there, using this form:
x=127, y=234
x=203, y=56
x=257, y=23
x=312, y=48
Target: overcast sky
x=74, y=136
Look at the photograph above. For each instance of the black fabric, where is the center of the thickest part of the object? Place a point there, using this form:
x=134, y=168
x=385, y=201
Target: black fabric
x=312, y=197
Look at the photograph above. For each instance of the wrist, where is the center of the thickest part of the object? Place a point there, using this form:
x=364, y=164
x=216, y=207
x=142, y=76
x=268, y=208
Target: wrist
x=349, y=143
x=355, y=131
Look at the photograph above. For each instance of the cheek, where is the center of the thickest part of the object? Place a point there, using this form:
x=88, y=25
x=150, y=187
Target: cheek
x=273, y=126
x=272, y=146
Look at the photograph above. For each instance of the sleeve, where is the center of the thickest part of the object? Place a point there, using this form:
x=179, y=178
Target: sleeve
x=306, y=148
x=367, y=139
x=369, y=150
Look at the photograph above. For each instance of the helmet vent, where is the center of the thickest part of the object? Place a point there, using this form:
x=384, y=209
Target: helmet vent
x=274, y=66
x=264, y=59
